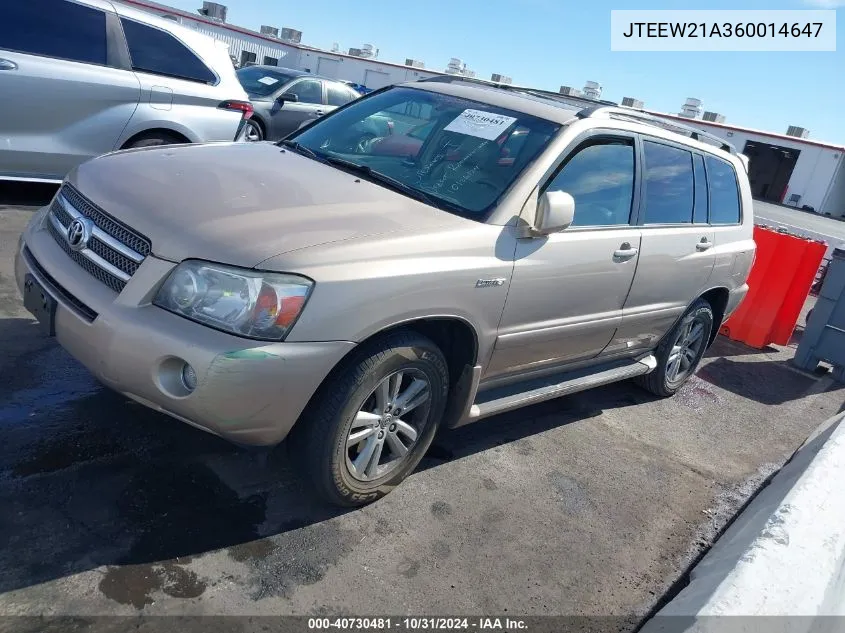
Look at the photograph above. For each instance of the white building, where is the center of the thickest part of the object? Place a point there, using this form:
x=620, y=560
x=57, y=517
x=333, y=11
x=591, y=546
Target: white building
x=263, y=48
x=786, y=169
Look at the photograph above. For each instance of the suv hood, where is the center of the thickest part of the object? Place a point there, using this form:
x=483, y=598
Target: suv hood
x=242, y=203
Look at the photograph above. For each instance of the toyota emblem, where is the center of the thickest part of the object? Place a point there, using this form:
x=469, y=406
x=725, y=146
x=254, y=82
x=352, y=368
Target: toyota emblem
x=78, y=233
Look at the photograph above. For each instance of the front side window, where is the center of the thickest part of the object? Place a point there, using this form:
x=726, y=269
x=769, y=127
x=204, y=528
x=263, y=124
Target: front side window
x=669, y=184
x=724, y=192
x=54, y=28
x=445, y=150
x=600, y=177
x=159, y=53
x=308, y=91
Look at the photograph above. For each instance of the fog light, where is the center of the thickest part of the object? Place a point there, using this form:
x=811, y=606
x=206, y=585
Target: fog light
x=189, y=377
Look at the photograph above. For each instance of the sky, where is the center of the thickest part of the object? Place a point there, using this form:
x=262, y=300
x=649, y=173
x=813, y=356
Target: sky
x=550, y=43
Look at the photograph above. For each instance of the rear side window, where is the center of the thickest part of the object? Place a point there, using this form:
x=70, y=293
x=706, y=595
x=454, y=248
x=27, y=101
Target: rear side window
x=669, y=184
x=338, y=95
x=724, y=192
x=158, y=52
x=700, y=212
x=54, y=28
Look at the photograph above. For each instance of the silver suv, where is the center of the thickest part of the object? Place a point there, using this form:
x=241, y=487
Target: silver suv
x=85, y=77
x=520, y=247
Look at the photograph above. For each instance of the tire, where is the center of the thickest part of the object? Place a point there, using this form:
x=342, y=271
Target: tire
x=344, y=404
x=154, y=139
x=253, y=132
x=661, y=382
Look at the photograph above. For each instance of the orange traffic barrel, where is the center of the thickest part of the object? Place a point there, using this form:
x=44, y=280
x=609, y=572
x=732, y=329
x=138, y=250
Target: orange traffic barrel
x=783, y=272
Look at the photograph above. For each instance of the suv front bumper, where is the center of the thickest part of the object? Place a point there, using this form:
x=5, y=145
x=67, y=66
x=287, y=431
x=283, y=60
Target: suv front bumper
x=249, y=392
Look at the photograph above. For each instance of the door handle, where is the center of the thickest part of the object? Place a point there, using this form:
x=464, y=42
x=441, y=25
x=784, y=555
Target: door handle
x=626, y=251
x=704, y=244
x=8, y=64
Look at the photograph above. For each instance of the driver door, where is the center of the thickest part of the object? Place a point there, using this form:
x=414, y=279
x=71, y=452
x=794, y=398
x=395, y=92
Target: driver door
x=290, y=115
x=568, y=288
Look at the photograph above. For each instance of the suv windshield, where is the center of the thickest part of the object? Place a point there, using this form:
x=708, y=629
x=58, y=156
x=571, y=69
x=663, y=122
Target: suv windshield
x=457, y=153
x=262, y=81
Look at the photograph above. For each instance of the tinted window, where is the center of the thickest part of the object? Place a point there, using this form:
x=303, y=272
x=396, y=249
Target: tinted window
x=724, y=193
x=247, y=57
x=669, y=185
x=700, y=212
x=339, y=95
x=157, y=52
x=261, y=82
x=54, y=28
x=601, y=179
x=308, y=91
x=460, y=167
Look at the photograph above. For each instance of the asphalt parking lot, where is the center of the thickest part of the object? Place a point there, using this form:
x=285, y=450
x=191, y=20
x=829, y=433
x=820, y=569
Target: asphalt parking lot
x=589, y=505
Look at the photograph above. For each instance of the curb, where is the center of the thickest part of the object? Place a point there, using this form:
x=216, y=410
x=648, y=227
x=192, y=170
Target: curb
x=783, y=554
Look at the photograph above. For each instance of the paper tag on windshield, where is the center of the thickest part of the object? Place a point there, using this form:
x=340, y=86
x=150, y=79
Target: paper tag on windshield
x=268, y=81
x=486, y=125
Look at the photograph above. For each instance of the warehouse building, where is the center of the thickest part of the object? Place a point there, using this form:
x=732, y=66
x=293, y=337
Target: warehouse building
x=283, y=47
x=789, y=169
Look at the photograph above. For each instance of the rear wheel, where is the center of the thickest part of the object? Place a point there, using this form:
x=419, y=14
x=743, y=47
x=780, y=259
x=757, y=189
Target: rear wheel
x=253, y=132
x=154, y=139
x=371, y=423
x=681, y=351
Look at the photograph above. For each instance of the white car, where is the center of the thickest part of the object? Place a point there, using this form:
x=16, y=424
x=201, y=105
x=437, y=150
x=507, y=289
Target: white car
x=91, y=76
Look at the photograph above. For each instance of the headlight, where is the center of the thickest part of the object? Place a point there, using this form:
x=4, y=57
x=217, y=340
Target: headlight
x=244, y=302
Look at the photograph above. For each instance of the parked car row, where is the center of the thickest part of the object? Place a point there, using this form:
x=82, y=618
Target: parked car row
x=122, y=78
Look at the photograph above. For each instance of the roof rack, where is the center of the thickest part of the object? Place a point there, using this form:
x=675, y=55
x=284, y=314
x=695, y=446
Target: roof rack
x=546, y=94
x=641, y=117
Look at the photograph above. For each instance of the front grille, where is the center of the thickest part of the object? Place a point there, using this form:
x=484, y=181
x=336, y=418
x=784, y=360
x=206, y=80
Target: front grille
x=113, y=251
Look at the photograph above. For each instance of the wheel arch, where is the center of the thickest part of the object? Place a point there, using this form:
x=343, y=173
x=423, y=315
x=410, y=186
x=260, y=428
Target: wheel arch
x=456, y=337
x=718, y=300
x=152, y=132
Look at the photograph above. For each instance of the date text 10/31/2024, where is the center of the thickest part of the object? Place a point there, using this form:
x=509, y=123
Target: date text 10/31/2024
x=416, y=624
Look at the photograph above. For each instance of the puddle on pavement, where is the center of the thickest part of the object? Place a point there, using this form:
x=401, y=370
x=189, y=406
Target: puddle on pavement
x=135, y=584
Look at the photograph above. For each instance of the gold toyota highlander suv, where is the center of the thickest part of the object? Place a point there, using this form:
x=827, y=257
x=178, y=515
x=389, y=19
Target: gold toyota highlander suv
x=497, y=247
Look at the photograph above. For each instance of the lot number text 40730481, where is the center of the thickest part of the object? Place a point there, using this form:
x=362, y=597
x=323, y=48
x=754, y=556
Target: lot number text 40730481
x=416, y=624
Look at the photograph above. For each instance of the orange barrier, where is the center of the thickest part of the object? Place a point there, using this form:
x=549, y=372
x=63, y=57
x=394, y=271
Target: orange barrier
x=780, y=280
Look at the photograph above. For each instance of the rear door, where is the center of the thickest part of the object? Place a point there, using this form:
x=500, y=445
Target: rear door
x=179, y=90
x=288, y=116
x=676, y=256
x=65, y=97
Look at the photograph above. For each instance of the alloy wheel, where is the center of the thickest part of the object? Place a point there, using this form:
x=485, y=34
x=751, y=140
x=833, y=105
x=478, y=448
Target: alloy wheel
x=685, y=351
x=387, y=425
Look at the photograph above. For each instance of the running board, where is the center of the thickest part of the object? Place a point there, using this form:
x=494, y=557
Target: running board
x=539, y=390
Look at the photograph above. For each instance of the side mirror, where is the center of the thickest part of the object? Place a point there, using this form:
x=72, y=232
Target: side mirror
x=287, y=96
x=555, y=212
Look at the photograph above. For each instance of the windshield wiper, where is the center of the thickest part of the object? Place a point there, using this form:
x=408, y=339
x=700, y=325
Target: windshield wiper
x=299, y=148
x=384, y=179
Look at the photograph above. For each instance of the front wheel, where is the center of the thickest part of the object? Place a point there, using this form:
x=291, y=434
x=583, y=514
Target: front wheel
x=370, y=423
x=681, y=351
